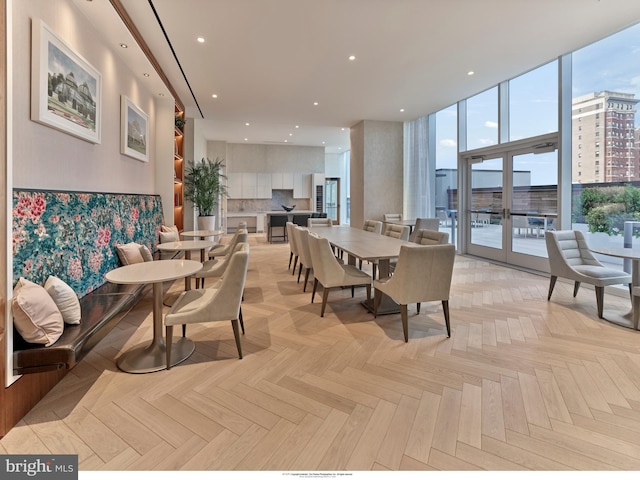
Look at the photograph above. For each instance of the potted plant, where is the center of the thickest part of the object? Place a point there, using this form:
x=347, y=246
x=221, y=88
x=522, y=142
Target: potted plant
x=203, y=186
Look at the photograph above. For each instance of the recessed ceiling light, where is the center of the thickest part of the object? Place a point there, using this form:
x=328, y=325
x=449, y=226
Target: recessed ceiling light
x=402, y=109
x=286, y=141
x=291, y=134
x=124, y=45
x=470, y=72
x=247, y=124
x=324, y=143
x=200, y=39
x=297, y=126
x=246, y=139
x=315, y=104
x=352, y=57
x=214, y=96
x=145, y=74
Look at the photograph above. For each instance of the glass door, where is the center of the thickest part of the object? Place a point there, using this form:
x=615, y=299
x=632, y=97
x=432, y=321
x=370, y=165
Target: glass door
x=332, y=199
x=512, y=199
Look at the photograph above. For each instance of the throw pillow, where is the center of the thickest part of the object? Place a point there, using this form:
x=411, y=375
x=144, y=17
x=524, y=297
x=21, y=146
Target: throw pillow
x=165, y=228
x=35, y=314
x=129, y=253
x=146, y=254
x=65, y=298
x=166, y=237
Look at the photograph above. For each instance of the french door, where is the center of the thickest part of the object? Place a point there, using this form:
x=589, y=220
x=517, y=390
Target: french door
x=511, y=200
x=332, y=199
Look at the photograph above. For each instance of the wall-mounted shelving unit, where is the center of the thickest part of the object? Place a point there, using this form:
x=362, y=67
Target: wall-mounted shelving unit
x=178, y=171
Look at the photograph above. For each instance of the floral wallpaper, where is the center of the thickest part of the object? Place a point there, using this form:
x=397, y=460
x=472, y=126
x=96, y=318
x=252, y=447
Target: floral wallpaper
x=73, y=235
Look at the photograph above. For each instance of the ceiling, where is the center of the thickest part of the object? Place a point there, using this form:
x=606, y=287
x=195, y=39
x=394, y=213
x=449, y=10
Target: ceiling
x=269, y=61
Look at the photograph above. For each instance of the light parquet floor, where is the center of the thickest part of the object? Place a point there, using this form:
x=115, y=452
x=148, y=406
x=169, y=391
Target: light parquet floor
x=522, y=384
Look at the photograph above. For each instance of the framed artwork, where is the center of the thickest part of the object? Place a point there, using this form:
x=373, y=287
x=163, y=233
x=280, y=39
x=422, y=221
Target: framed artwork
x=66, y=91
x=135, y=131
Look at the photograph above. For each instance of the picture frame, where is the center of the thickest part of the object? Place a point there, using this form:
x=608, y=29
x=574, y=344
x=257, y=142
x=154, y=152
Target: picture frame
x=66, y=90
x=134, y=137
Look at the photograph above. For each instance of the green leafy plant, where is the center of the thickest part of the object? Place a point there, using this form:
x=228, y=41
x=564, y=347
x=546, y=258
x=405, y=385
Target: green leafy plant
x=204, y=186
x=605, y=209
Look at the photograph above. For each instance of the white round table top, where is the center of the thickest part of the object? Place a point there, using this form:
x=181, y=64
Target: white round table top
x=620, y=252
x=185, y=245
x=201, y=233
x=154, y=271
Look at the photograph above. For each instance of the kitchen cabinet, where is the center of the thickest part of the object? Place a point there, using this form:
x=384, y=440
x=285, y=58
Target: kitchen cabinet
x=263, y=187
x=302, y=185
x=282, y=181
x=234, y=185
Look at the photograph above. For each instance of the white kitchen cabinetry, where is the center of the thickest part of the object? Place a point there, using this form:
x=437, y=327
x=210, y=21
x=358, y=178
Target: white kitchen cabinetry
x=249, y=185
x=302, y=185
x=234, y=185
x=263, y=189
x=282, y=181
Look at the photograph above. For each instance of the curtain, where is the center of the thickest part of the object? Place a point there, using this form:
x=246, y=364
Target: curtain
x=418, y=174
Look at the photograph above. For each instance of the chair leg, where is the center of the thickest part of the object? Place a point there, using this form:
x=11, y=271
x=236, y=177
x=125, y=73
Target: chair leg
x=290, y=259
x=445, y=309
x=576, y=287
x=295, y=263
x=377, y=294
x=600, y=300
x=169, y=340
x=325, y=296
x=315, y=287
x=299, y=271
x=418, y=307
x=353, y=291
x=636, y=312
x=552, y=283
x=373, y=275
x=241, y=320
x=368, y=287
x=360, y=264
x=405, y=322
x=184, y=329
x=236, y=334
x=306, y=278
x=631, y=292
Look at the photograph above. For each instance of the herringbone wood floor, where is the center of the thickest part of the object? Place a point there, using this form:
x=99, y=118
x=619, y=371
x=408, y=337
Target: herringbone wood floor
x=521, y=384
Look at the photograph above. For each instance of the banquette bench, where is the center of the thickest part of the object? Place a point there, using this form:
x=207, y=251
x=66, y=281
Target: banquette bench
x=72, y=235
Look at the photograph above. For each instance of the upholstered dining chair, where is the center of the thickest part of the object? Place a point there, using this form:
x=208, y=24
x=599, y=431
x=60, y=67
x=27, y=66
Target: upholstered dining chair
x=392, y=217
x=374, y=226
x=397, y=231
x=221, y=303
x=430, y=237
x=330, y=273
x=293, y=247
x=423, y=274
x=302, y=239
x=424, y=224
x=319, y=222
x=216, y=268
x=220, y=250
x=570, y=257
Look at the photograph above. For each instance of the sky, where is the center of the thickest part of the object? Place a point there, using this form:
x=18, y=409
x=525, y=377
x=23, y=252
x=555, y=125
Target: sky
x=609, y=64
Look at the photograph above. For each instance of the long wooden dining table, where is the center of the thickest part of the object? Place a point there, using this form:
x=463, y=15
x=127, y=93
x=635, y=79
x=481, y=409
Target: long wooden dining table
x=369, y=246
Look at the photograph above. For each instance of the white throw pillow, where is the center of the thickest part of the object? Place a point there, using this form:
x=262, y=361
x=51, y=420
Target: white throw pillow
x=166, y=237
x=165, y=228
x=129, y=253
x=146, y=254
x=65, y=298
x=35, y=314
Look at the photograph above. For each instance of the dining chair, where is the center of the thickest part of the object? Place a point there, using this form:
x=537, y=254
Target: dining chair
x=392, y=217
x=293, y=247
x=221, y=303
x=431, y=237
x=319, y=222
x=220, y=250
x=277, y=221
x=374, y=226
x=330, y=273
x=302, y=239
x=217, y=267
x=570, y=257
x=423, y=274
x=397, y=231
x=422, y=224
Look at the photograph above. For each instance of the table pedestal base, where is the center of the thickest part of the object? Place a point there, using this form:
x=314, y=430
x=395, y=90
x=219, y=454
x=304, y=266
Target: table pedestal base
x=387, y=306
x=153, y=358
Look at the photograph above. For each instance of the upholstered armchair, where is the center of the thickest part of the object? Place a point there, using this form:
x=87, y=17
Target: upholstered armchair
x=430, y=237
x=319, y=222
x=374, y=226
x=424, y=224
x=392, y=217
x=301, y=236
x=220, y=250
x=293, y=247
x=423, y=274
x=570, y=257
x=221, y=303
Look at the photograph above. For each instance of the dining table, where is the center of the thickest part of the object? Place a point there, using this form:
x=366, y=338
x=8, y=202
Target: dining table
x=364, y=245
x=202, y=234
x=633, y=254
x=152, y=357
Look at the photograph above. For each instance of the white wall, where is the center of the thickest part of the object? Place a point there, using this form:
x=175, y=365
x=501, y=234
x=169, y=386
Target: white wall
x=47, y=158
x=249, y=158
x=337, y=167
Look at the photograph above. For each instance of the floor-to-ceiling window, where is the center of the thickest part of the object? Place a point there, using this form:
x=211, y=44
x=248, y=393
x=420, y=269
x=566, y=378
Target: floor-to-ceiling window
x=446, y=165
x=605, y=163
